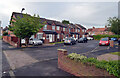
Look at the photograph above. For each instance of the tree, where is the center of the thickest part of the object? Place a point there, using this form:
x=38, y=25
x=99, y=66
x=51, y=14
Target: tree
x=114, y=24
x=26, y=26
x=65, y=22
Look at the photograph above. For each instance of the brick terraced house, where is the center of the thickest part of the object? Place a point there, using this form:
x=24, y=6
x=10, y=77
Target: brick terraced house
x=53, y=31
x=99, y=31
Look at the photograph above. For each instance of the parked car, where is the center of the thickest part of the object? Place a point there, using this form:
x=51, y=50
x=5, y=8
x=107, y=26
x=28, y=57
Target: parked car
x=114, y=39
x=35, y=41
x=119, y=41
x=89, y=38
x=70, y=41
x=81, y=40
x=74, y=38
x=104, y=41
x=85, y=39
x=23, y=41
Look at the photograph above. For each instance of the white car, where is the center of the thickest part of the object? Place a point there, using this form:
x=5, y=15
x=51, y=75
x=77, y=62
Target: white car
x=35, y=42
x=89, y=38
x=74, y=38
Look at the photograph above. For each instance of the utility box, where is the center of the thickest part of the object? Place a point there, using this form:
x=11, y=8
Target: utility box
x=111, y=43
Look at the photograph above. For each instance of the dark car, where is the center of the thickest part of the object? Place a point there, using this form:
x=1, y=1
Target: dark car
x=119, y=41
x=70, y=41
x=85, y=40
x=80, y=40
x=104, y=41
x=114, y=39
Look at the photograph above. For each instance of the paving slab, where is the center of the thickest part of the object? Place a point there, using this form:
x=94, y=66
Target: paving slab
x=17, y=58
x=108, y=57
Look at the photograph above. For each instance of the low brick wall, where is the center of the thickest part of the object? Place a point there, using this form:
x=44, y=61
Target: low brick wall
x=78, y=68
x=8, y=40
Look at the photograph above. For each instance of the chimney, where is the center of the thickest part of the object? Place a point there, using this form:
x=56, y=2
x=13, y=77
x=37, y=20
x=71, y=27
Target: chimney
x=105, y=26
x=93, y=27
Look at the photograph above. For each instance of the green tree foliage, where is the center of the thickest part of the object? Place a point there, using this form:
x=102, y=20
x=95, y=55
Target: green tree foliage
x=114, y=24
x=65, y=22
x=26, y=26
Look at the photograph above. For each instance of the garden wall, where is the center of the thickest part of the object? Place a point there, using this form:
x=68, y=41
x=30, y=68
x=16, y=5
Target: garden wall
x=78, y=68
x=9, y=39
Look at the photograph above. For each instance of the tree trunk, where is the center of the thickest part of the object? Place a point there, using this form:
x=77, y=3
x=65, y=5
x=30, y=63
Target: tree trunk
x=26, y=41
x=20, y=42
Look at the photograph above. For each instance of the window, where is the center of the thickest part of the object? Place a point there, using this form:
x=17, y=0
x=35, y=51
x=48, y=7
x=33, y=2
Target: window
x=45, y=27
x=76, y=30
x=63, y=29
x=47, y=36
x=85, y=30
x=58, y=28
x=53, y=27
x=82, y=30
x=39, y=35
x=69, y=29
x=58, y=36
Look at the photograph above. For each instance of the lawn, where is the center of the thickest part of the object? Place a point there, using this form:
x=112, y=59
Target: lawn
x=57, y=42
x=115, y=53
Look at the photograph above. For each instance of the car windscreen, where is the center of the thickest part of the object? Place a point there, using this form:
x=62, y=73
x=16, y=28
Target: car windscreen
x=68, y=39
x=104, y=39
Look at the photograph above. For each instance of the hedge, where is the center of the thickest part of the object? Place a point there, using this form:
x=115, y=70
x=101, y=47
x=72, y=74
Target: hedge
x=112, y=66
x=98, y=37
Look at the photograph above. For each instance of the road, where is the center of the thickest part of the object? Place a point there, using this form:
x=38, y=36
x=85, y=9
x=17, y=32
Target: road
x=42, y=60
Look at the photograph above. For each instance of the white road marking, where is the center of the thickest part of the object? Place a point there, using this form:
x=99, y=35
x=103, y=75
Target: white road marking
x=12, y=75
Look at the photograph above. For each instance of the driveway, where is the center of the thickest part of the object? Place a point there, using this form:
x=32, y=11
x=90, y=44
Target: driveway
x=42, y=60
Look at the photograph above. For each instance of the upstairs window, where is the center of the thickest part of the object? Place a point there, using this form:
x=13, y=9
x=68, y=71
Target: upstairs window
x=82, y=30
x=45, y=27
x=69, y=30
x=76, y=30
x=63, y=29
x=53, y=27
x=58, y=28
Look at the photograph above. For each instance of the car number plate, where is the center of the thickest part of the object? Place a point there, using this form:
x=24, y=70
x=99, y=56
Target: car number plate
x=103, y=43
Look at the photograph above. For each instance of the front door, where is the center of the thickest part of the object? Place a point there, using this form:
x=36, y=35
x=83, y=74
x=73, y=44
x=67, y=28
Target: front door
x=50, y=37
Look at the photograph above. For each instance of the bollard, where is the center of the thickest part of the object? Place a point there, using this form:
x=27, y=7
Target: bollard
x=111, y=43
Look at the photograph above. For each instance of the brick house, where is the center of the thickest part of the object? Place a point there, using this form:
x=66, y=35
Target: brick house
x=99, y=31
x=53, y=31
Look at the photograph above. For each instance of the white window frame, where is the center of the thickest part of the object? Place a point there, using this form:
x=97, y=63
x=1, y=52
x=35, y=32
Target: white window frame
x=75, y=30
x=45, y=27
x=58, y=36
x=38, y=36
x=63, y=28
x=58, y=27
x=78, y=30
x=53, y=27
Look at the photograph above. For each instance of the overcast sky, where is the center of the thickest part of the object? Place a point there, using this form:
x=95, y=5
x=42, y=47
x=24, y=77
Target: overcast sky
x=88, y=14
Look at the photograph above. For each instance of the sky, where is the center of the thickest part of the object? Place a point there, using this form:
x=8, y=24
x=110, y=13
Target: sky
x=86, y=13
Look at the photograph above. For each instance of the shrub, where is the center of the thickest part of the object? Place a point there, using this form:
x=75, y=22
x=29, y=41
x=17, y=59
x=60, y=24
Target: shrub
x=111, y=66
x=98, y=37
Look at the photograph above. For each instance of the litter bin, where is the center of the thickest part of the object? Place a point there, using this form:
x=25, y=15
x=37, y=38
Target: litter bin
x=111, y=43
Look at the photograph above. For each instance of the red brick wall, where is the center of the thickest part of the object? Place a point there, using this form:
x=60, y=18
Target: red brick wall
x=78, y=68
x=8, y=40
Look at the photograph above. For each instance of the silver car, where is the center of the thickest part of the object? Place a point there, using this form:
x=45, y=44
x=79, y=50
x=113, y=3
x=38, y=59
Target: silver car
x=35, y=42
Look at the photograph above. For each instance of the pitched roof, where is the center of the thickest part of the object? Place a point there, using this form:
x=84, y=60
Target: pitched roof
x=98, y=29
x=80, y=26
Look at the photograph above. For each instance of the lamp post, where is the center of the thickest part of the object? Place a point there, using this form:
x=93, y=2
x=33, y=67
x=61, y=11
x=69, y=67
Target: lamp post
x=22, y=10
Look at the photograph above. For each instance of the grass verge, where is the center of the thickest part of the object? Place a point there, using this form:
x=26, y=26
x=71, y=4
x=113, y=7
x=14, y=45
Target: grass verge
x=115, y=53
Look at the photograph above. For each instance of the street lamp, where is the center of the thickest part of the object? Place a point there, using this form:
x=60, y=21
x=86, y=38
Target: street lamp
x=22, y=10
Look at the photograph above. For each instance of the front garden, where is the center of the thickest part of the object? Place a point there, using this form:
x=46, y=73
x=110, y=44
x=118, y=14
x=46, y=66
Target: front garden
x=98, y=37
x=110, y=66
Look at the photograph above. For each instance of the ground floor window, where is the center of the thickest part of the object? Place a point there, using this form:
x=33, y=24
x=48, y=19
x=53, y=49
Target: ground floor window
x=58, y=36
x=39, y=35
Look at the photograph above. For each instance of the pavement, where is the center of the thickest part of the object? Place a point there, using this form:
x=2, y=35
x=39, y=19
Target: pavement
x=42, y=60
